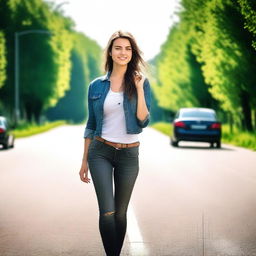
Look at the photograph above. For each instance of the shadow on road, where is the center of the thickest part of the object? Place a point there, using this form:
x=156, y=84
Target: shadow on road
x=203, y=147
x=5, y=149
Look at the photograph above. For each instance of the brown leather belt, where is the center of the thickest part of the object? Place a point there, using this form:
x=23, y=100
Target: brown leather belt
x=118, y=145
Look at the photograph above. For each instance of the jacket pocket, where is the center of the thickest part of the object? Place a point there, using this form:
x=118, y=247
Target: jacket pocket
x=95, y=96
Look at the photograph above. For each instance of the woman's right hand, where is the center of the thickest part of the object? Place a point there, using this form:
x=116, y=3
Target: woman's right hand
x=84, y=172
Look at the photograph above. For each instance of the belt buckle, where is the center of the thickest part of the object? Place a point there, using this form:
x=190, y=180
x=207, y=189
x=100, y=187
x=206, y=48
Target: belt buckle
x=117, y=146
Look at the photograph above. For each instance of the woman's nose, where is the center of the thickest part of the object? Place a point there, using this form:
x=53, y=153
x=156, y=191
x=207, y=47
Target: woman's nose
x=123, y=51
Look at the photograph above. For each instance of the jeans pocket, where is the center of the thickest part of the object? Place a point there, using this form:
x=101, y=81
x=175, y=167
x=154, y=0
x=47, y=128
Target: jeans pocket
x=132, y=152
x=95, y=144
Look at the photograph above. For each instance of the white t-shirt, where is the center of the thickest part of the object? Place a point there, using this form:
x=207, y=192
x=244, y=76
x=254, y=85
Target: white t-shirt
x=114, y=128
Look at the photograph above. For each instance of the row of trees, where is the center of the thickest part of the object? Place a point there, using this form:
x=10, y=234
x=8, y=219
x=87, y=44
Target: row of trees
x=54, y=61
x=209, y=60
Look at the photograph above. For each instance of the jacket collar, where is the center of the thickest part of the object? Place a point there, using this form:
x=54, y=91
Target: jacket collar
x=106, y=76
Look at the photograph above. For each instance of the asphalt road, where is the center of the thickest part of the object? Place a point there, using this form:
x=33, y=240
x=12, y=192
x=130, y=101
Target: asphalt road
x=187, y=201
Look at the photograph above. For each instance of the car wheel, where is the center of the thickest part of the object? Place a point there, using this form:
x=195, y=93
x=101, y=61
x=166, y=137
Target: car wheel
x=5, y=145
x=174, y=143
x=218, y=144
x=212, y=144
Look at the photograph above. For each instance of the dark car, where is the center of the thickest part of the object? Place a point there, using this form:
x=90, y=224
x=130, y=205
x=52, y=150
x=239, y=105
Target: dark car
x=196, y=124
x=6, y=137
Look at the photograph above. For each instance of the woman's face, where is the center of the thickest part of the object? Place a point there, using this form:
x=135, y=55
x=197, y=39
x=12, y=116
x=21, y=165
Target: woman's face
x=121, y=51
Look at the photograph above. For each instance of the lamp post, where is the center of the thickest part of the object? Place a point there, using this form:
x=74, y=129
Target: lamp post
x=59, y=5
x=16, y=68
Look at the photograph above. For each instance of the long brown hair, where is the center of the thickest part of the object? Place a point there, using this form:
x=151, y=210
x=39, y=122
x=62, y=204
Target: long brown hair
x=135, y=64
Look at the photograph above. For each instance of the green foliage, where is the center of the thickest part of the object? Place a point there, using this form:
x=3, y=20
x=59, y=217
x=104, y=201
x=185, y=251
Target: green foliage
x=208, y=59
x=248, y=10
x=55, y=63
x=85, y=58
x=44, y=59
x=61, y=43
x=173, y=73
x=47, y=55
x=2, y=59
x=227, y=58
x=239, y=137
x=165, y=128
x=180, y=80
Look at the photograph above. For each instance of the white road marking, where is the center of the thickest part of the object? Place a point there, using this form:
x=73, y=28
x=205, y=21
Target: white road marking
x=137, y=245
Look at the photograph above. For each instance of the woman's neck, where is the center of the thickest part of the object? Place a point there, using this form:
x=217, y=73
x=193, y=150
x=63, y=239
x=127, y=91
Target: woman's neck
x=118, y=71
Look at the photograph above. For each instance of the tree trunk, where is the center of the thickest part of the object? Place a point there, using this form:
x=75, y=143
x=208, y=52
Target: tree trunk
x=231, y=123
x=33, y=110
x=37, y=111
x=247, y=116
x=28, y=109
x=254, y=123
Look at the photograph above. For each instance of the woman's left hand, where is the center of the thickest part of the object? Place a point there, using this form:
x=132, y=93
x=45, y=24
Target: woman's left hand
x=139, y=80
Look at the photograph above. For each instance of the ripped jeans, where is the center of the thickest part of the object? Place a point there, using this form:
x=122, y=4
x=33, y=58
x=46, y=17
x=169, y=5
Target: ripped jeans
x=104, y=162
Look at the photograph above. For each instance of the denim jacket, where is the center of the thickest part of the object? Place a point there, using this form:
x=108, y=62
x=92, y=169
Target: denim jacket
x=97, y=93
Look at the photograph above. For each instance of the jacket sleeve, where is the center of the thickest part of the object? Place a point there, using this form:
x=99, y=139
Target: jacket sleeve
x=147, y=95
x=91, y=122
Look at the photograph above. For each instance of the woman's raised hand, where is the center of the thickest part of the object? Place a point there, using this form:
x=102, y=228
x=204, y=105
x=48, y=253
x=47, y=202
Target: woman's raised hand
x=139, y=80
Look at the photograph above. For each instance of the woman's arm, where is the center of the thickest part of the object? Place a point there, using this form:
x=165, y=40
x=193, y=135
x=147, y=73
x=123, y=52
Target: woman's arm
x=84, y=167
x=143, y=104
x=91, y=122
x=142, y=110
x=88, y=136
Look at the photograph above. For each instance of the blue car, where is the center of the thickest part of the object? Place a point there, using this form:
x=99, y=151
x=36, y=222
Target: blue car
x=196, y=124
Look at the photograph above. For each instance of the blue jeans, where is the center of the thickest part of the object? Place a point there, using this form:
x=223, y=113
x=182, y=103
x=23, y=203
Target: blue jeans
x=104, y=162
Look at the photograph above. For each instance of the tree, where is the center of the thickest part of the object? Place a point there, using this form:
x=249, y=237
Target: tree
x=44, y=60
x=85, y=58
x=223, y=47
x=180, y=80
x=248, y=10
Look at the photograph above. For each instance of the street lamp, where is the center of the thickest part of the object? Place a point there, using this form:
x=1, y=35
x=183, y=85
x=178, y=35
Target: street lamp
x=16, y=67
x=59, y=5
x=56, y=7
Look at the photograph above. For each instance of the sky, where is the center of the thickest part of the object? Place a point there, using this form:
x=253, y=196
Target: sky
x=148, y=20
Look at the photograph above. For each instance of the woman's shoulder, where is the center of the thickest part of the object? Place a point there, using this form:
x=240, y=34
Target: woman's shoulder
x=96, y=82
x=98, y=79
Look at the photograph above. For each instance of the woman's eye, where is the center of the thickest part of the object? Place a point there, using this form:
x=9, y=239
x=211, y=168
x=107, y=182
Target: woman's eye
x=118, y=48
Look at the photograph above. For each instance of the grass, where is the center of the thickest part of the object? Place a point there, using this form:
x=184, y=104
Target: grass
x=237, y=138
x=25, y=129
x=163, y=127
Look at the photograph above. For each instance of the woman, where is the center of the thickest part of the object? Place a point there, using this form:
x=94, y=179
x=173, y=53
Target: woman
x=119, y=105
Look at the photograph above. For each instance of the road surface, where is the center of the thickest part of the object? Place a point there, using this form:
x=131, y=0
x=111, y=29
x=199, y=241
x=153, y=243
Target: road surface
x=187, y=201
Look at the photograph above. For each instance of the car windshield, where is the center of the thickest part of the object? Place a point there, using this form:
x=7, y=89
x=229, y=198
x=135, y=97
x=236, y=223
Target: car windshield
x=198, y=114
